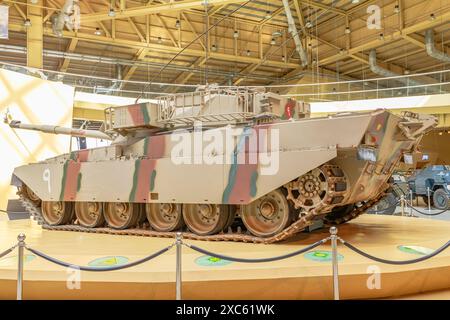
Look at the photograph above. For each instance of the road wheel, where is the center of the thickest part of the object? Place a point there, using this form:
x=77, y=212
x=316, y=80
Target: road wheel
x=440, y=199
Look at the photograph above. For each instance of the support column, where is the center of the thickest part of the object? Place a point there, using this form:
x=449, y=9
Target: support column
x=35, y=35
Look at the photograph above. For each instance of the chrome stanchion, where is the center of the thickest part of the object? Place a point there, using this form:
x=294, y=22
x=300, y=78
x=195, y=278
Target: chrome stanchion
x=429, y=199
x=21, y=246
x=402, y=203
x=178, y=243
x=411, y=203
x=334, y=254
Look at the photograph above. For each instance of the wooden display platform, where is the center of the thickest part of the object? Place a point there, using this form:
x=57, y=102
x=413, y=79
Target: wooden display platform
x=306, y=276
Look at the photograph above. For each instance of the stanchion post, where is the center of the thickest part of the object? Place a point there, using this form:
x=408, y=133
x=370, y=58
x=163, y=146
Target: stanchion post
x=429, y=199
x=402, y=202
x=179, y=243
x=21, y=248
x=410, y=203
x=334, y=255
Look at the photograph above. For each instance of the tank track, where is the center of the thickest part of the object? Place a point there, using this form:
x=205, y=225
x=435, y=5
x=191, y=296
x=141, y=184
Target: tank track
x=239, y=236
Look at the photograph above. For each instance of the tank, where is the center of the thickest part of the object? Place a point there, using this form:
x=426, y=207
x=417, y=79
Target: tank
x=220, y=164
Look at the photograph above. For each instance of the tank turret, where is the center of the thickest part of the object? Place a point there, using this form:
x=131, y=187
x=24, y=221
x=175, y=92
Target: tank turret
x=216, y=162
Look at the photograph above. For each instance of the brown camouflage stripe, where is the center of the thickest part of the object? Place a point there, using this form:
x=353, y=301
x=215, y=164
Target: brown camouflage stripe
x=242, y=178
x=71, y=181
x=145, y=169
x=139, y=114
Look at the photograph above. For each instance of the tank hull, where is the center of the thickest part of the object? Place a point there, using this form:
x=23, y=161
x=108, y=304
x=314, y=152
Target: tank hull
x=303, y=146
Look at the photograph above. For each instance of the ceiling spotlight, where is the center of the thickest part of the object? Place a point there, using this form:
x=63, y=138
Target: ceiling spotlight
x=268, y=14
x=159, y=40
x=432, y=16
x=381, y=36
x=236, y=34
x=406, y=72
x=97, y=32
x=277, y=34
x=273, y=42
x=111, y=13
x=214, y=48
x=248, y=53
x=283, y=58
x=308, y=24
x=27, y=23
x=178, y=24
x=347, y=30
x=355, y=1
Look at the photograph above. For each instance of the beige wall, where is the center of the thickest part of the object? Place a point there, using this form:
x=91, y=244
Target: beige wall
x=30, y=100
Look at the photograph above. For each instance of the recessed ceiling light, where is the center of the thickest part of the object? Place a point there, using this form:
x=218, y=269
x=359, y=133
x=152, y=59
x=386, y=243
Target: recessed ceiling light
x=236, y=34
x=97, y=32
x=111, y=13
x=27, y=23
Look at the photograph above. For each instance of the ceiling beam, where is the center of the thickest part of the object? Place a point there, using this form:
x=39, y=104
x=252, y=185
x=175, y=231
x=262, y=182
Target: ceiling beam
x=89, y=37
x=325, y=7
x=153, y=9
x=70, y=48
x=388, y=38
x=140, y=55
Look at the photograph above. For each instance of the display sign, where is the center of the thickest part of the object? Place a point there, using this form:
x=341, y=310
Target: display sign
x=4, y=12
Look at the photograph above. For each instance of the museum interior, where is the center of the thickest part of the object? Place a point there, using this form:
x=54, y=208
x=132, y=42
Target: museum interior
x=224, y=149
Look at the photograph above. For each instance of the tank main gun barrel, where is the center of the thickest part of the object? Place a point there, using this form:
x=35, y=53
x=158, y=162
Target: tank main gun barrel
x=60, y=130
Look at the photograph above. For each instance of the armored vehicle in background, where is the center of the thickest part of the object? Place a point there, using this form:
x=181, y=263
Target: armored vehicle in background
x=433, y=181
x=220, y=164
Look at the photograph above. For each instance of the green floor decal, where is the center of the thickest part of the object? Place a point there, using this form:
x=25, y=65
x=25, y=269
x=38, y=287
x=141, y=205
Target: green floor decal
x=321, y=256
x=208, y=261
x=106, y=262
x=416, y=250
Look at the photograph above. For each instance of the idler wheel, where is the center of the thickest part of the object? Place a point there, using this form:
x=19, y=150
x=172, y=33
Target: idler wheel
x=206, y=219
x=267, y=215
x=89, y=214
x=57, y=213
x=164, y=217
x=122, y=215
x=31, y=195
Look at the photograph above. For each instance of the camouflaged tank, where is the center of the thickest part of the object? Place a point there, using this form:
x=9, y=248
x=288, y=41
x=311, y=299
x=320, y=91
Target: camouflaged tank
x=219, y=164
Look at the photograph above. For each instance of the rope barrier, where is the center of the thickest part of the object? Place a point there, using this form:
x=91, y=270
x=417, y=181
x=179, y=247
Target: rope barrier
x=6, y=252
x=385, y=209
x=425, y=213
x=13, y=212
x=179, y=242
x=282, y=257
x=394, y=262
x=99, y=269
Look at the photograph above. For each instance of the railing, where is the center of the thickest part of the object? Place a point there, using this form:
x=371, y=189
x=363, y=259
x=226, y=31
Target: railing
x=426, y=83
x=179, y=243
x=405, y=204
x=210, y=106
